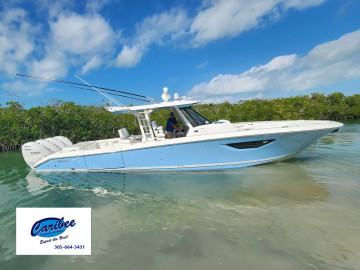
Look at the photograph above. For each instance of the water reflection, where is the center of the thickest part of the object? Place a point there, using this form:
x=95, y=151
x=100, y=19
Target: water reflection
x=275, y=184
x=189, y=217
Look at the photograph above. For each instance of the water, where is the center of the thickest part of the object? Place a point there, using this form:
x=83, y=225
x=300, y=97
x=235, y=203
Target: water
x=302, y=213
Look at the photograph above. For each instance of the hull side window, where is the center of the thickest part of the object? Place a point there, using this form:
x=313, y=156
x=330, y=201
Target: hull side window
x=251, y=144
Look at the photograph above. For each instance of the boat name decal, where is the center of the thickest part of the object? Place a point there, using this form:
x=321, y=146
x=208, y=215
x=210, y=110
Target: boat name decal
x=49, y=227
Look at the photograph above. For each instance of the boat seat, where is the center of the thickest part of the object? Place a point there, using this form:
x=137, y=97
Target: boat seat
x=158, y=130
x=136, y=138
x=126, y=138
x=123, y=132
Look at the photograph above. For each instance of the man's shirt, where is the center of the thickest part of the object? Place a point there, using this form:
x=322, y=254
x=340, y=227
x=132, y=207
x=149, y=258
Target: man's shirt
x=170, y=122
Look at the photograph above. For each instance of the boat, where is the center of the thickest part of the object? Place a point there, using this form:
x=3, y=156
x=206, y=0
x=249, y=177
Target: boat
x=201, y=145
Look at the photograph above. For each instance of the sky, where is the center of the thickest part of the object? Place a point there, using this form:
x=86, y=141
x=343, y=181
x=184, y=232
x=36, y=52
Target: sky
x=213, y=50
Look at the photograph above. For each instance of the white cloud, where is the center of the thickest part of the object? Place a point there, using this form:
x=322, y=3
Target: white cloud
x=53, y=65
x=230, y=99
x=302, y=4
x=129, y=57
x=202, y=65
x=52, y=8
x=81, y=34
x=216, y=19
x=74, y=40
x=280, y=62
x=229, y=18
x=93, y=63
x=346, y=47
x=327, y=63
x=94, y=6
x=229, y=84
x=16, y=39
x=255, y=79
x=19, y=88
x=158, y=29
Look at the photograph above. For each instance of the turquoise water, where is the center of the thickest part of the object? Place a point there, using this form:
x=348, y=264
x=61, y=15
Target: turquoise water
x=302, y=213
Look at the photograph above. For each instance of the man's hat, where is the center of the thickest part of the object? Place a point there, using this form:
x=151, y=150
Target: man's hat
x=172, y=114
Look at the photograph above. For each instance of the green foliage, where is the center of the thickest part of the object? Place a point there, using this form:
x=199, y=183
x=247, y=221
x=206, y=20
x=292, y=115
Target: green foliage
x=335, y=106
x=78, y=123
x=83, y=123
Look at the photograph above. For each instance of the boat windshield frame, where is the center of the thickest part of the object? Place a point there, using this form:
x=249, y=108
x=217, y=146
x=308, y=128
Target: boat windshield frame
x=193, y=117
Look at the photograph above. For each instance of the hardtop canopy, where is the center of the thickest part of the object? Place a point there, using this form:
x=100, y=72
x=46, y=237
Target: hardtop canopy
x=156, y=106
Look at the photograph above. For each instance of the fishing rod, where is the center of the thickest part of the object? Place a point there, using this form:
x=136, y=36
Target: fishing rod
x=101, y=92
x=88, y=89
x=80, y=84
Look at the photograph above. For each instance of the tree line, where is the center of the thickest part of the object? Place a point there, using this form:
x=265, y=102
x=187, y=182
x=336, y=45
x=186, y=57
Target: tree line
x=83, y=123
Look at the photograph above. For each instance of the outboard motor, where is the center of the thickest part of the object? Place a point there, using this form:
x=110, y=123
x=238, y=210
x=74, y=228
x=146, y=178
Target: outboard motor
x=34, y=151
x=56, y=143
x=64, y=140
x=53, y=148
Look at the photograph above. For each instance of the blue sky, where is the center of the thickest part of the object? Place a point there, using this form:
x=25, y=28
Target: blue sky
x=213, y=50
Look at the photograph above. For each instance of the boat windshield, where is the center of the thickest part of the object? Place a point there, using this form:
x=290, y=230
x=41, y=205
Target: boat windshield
x=194, y=117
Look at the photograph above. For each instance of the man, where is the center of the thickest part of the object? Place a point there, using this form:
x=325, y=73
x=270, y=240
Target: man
x=170, y=126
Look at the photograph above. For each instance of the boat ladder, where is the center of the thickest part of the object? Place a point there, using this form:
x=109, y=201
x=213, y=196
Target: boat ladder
x=145, y=126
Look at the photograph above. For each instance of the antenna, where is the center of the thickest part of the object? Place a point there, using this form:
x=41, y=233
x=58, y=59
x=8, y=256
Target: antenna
x=88, y=85
x=113, y=94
